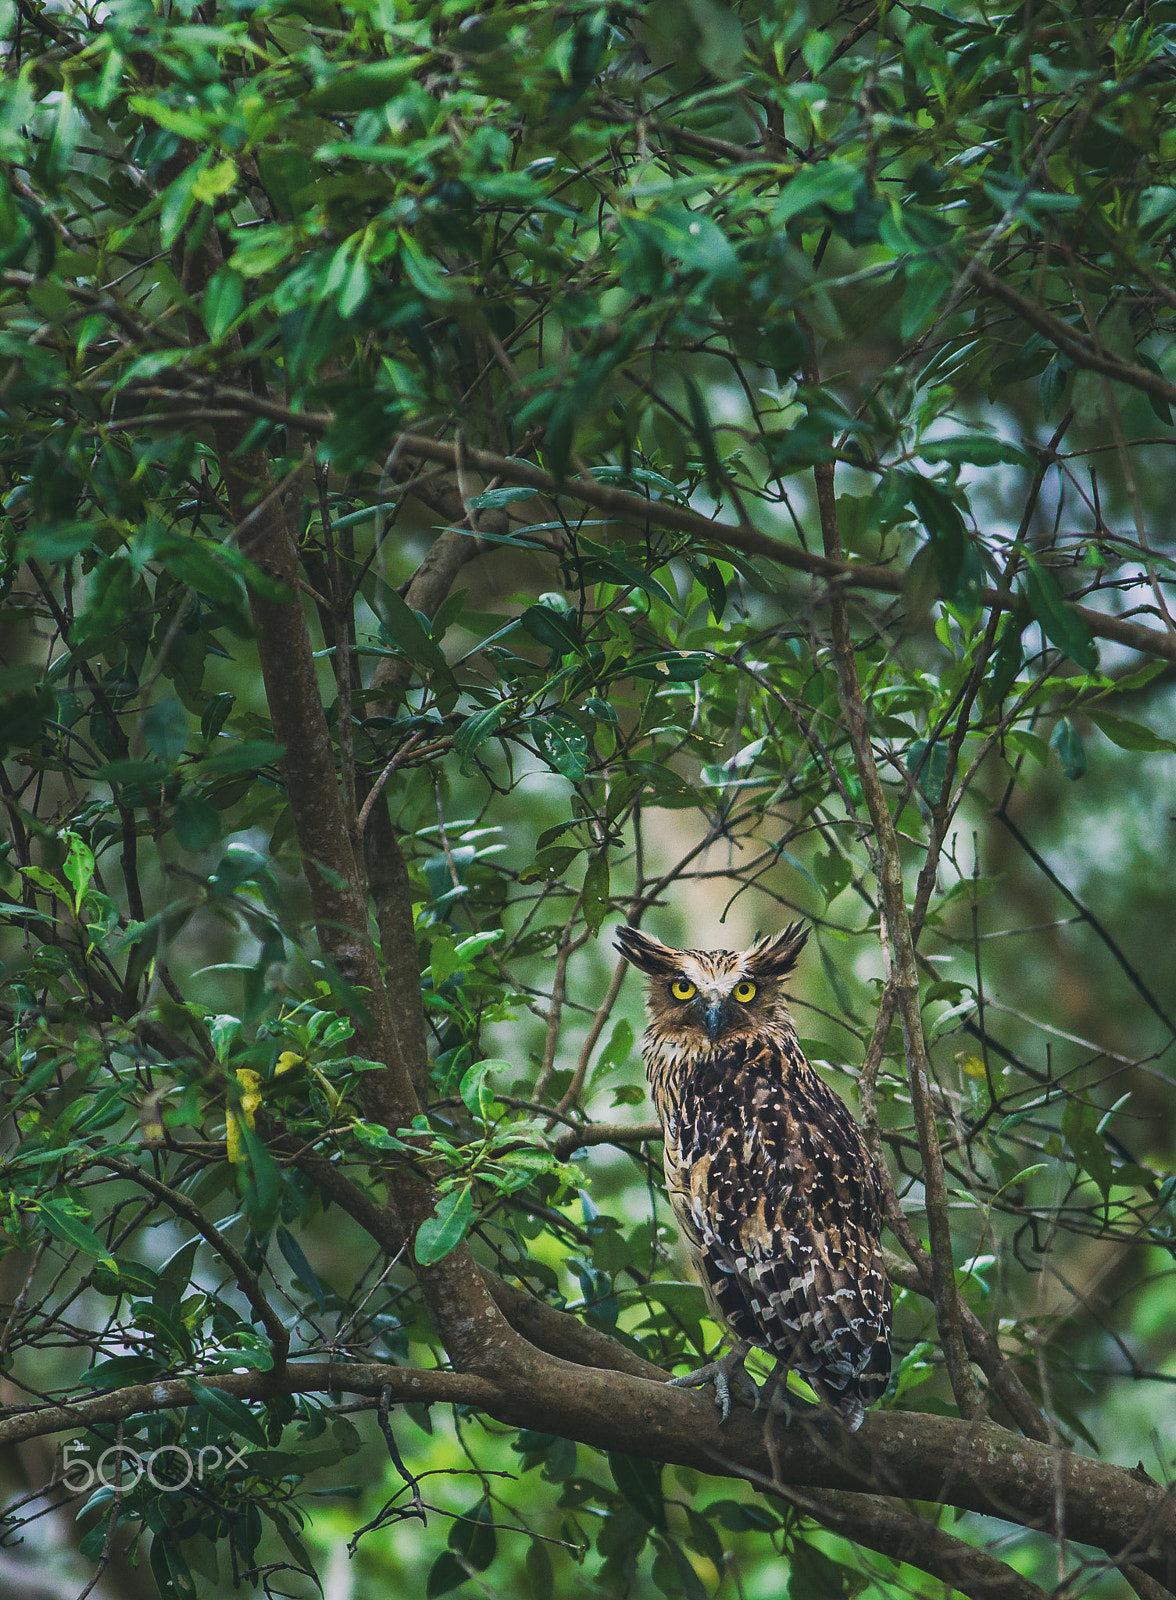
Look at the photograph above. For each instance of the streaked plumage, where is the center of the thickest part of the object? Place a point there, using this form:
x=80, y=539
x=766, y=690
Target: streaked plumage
x=769, y=1177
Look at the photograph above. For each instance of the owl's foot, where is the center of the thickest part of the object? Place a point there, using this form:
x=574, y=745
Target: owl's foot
x=726, y=1374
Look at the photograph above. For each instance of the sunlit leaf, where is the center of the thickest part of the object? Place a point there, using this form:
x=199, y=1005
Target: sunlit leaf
x=446, y=1228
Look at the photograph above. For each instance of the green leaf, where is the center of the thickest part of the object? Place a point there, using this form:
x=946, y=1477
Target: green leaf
x=832, y=872
x=475, y=1091
x=927, y=765
x=446, y=1573
x=23, y=717
x=697, y=241
x=597, y=564
x=214, y=715
x=475, y=731
x=562, y=744
x=64, y=1219
x=827, y=183
x=78, y=867
x=229, y=1411
x=170, y=1570
x=675, y=666
x=261, y=1180
x=1080, y=1125
x=1128, y=735
x=246, y=755
x=405, y=631
x=443, y=960
x=685, y=1300
x=704, y=1537
x=119, y=1372
x=618, y=1049
x=1021, y=741
x=300, y=1266
x=689, y=1584
x=360, y=87
x=1007, y=661
x=178, y=199
x=706, y=439
x=924, y=287
x=1060, y=622
x=721, y=43
x=493, y=498
x=942, y=519
x=165, y=730
x=540, y=1576
x=558, y=630
x=595, y=897
x=206, y=568
x=836, y=981
x=741, y=1518
x=447, y=1227
x=708, y=574
x=222, y=302
x=196, y=823
x=472, y=1536
x=1066, y=742
x=812, y=1575
x=639, y=1480
x=978, y=449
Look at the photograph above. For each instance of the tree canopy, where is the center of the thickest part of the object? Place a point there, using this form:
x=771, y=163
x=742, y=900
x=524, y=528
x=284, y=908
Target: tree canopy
x=474, y=476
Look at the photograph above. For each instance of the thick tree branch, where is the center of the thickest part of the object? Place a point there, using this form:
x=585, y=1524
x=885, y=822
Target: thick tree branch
x=887, y=1525
x=975, y=1466
x=268, y=517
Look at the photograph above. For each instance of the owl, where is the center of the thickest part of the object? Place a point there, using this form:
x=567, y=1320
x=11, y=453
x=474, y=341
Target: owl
x=776, y=1195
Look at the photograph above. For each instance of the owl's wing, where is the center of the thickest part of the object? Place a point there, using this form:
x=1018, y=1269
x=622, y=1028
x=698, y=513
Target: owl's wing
x=781, y=1202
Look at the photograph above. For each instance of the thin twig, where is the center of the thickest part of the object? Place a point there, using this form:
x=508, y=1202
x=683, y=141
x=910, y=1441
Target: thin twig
x=904, y=976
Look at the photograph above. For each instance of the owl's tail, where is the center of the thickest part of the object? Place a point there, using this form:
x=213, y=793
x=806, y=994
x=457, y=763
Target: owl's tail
x=850, y=1386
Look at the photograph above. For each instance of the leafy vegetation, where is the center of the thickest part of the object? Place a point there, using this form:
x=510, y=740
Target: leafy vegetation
x=474, y=476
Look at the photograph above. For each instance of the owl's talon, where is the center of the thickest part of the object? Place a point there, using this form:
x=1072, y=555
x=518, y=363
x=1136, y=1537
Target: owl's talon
x=726, y=1373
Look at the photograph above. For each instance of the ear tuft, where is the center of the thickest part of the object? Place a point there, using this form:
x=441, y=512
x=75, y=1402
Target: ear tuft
x=646, y=952
x=776, y=956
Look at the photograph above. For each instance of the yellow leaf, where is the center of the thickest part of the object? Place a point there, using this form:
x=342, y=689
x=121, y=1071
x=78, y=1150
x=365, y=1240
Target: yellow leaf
x=217, y=180
x=286, y=1061
x=972, y=1065
x=250, y=1082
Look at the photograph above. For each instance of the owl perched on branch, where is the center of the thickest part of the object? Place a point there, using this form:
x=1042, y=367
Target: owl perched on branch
x=769, y=1177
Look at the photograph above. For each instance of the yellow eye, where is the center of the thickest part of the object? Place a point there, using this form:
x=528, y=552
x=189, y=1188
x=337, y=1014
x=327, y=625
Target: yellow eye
x=683, y=989
x=745, y=991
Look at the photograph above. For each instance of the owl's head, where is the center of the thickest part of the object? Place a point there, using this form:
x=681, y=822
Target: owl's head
x=702, y=996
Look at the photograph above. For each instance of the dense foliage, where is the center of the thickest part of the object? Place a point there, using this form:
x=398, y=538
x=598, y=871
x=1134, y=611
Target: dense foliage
x=474, y=475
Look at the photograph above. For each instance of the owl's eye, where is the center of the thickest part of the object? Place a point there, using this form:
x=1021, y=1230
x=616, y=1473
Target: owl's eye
x=744, y=991
x=683, y=989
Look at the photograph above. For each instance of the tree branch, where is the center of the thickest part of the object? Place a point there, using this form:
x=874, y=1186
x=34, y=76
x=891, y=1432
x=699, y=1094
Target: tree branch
x=636, y=509
x=976, y=1466
x=904, y=976
x=885, y=1524
x=467, y=1320
x=246, y=1278
x=1081, y=351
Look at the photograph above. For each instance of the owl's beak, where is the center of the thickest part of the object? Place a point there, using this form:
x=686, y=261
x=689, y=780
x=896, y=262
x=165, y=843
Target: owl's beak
x=714, y=1015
